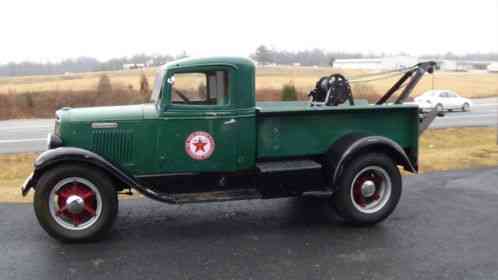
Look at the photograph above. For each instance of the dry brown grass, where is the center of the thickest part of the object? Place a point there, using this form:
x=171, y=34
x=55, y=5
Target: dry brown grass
x=72, y=82
x=44, y=104
x=468, y=84
x=40, y=96
x=13, y=171
x=440, y=150
x=458, y=148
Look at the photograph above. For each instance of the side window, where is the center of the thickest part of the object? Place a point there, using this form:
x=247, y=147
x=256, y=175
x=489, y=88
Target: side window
x=209, y=88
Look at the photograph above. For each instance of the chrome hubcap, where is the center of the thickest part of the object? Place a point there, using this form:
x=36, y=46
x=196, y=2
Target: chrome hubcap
x=75, y=204
x=368, y=188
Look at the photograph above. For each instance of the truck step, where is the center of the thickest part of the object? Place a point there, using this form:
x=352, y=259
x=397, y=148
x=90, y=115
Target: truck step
x=288, y=166
x=241, y=194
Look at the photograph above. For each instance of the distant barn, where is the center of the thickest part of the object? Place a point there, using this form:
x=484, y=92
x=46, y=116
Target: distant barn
x=131, y=66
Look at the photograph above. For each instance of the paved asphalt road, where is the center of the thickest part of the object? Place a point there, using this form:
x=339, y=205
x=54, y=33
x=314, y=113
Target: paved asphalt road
x=445, y=227
x=30, y=135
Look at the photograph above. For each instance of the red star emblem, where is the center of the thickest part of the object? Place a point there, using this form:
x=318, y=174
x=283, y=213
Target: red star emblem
x=199, y=146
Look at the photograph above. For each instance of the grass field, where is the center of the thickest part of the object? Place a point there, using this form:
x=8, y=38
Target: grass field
x=41, y=96
x=468, y=84
x=440, y=150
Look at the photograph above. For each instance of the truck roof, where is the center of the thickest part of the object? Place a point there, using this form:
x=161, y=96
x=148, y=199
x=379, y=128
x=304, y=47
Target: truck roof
x=237, y=62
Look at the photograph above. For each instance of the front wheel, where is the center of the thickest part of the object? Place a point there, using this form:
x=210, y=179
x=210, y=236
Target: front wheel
x=369, y=189
x=75, y=203
x=466, y=107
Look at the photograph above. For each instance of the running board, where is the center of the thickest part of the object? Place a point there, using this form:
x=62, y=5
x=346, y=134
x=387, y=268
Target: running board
x=288, y=166
x=215, y=196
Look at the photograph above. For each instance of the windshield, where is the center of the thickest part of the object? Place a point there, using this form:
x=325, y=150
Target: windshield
x=157, y=86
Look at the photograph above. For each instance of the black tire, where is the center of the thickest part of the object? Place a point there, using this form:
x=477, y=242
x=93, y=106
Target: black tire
x=466, y=107
x=102, y=222
x=344, y=201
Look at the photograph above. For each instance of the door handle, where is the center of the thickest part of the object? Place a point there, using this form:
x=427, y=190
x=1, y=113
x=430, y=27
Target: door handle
x=231, y=121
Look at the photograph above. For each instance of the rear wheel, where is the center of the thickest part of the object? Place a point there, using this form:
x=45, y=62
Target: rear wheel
x=466, y=107
x=368, y=190
x=75, y=203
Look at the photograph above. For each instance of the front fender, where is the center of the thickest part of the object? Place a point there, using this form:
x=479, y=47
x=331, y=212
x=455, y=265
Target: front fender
x=351, y=145
x=56, y=156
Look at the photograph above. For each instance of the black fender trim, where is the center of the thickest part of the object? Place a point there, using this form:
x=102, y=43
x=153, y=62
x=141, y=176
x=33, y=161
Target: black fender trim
x=52, y=157
x=350, y=145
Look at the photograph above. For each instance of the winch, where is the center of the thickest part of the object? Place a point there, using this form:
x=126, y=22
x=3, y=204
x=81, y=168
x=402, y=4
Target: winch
x=331, y=90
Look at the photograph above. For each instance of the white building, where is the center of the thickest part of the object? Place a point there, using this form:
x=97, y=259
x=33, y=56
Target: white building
x=454, y=65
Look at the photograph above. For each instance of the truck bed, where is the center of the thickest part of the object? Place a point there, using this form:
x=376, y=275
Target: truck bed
x=293, y=129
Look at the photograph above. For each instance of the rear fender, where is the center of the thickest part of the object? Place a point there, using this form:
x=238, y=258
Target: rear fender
x=352, y=145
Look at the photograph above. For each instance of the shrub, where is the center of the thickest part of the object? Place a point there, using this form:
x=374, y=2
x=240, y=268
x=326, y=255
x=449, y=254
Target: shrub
x=289, y=93
x=144, y=85
x=104, y=85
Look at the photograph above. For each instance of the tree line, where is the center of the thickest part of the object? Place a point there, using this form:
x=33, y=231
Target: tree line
x=469, y=56
x=82, y=64
x=266, y=56
x=263, y=55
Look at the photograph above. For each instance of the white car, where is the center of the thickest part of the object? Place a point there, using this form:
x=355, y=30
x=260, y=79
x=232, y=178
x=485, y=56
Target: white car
x=443, y=100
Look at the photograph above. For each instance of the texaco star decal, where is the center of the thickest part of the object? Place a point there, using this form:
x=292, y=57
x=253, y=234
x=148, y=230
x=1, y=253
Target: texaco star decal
x=199, y=145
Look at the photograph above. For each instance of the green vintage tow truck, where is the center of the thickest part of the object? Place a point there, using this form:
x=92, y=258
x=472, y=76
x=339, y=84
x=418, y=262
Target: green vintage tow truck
x=204, y=138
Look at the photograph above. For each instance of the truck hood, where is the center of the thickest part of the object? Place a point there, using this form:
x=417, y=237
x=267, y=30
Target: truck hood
x=108, y=113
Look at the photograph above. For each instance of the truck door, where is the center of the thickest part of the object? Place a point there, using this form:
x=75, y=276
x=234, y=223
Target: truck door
x=199, y=128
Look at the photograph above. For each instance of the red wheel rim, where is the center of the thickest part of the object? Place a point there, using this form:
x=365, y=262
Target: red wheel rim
x=75, y=203
x=371, y=188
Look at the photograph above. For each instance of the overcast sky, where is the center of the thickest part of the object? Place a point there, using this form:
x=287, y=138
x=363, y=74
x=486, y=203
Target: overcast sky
x=52, y=30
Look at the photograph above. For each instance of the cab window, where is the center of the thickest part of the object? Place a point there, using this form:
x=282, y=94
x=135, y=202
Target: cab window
x=210, y=88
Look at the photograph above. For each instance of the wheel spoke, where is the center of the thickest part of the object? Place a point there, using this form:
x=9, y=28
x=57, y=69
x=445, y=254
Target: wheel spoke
x=90, y=210
x=76, y=220
x=88, y=195
x=61, y=211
